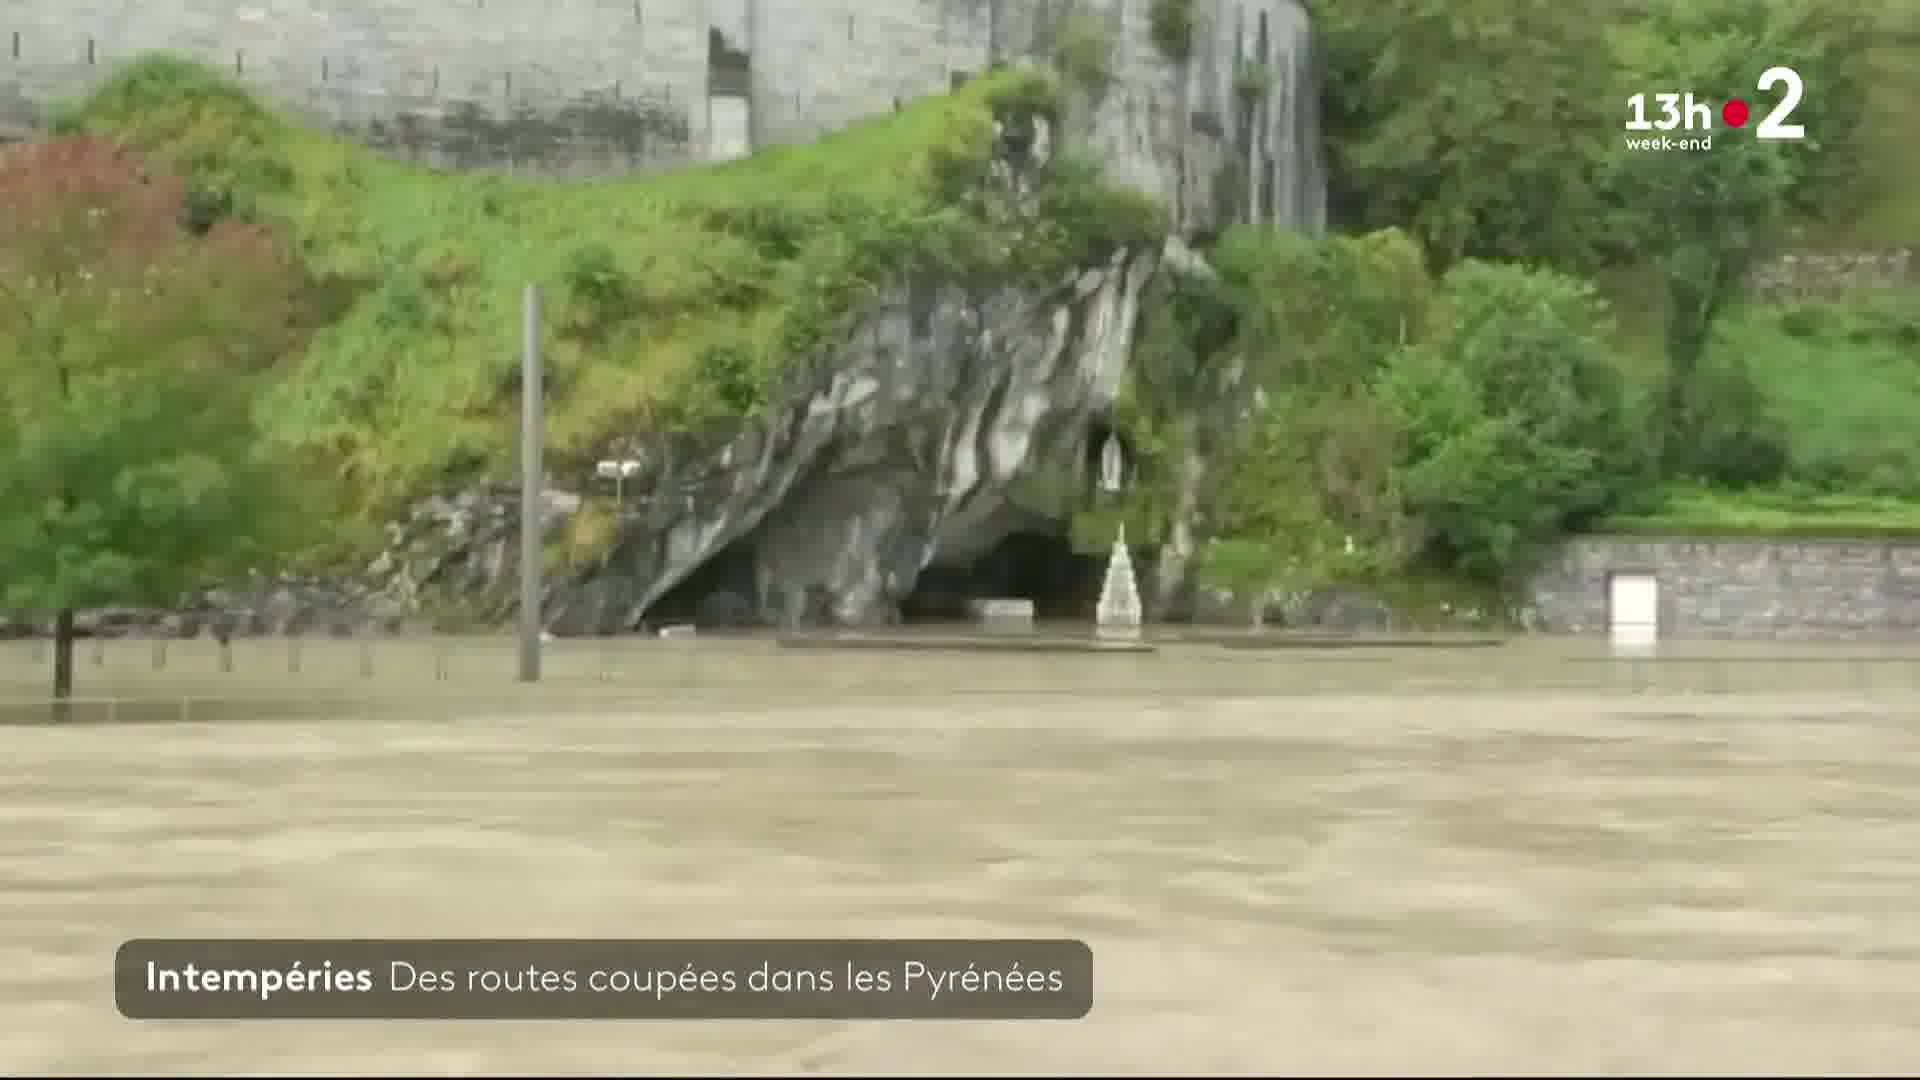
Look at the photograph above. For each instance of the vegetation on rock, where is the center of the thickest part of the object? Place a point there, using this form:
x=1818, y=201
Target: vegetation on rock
x=1083, y=51
x=1171, y=24
x=677, y=301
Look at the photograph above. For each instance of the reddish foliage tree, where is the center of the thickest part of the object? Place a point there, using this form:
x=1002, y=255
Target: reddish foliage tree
x=94, y=242
x=131, y=351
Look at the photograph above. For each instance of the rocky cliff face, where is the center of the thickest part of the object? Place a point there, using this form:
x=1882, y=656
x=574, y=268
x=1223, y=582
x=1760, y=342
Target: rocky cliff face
x=899, y=451
x=898, y=447
x=903, y=446
x=1229, y=132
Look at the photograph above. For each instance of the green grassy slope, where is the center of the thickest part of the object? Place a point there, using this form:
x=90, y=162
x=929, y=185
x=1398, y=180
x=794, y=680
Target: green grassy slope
x=1842, y=379
x=1845, y=381
x=672, y=299
x=1691, y=511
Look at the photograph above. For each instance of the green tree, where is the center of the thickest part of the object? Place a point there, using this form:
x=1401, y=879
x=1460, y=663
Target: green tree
x=131, y=350
x=1705, y=216
x=1320, y=314
x=1300, y=319
x=1275, y=530
x=1516, y=421
x=1482, y=126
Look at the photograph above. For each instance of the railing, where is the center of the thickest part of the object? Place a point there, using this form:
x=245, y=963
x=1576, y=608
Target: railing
x=202, y=681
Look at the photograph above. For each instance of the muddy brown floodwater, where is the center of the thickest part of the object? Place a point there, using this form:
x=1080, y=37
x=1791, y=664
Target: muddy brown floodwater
x=1555, y=881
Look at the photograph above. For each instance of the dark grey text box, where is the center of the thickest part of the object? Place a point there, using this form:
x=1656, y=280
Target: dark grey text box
x=481, y=979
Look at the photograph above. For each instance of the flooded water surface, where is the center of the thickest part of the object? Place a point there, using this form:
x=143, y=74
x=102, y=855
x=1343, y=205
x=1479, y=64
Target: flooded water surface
x=1559, y=880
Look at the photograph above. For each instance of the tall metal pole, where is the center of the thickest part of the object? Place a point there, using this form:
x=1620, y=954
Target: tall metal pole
x=532, y=483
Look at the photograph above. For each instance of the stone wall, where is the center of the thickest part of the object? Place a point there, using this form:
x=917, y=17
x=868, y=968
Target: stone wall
x=1741, y=588
x=572, y=85
x=1817, y=276
x=587, y=87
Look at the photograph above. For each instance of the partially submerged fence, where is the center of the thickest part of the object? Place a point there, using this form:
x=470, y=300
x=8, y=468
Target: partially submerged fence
x=201, y=680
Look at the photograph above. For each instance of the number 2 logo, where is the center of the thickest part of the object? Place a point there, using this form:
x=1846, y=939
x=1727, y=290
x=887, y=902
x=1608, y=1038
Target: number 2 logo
x=1775, y=125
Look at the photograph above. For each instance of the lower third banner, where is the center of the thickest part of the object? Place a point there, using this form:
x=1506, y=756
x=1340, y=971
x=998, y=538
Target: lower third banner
x=944, y=979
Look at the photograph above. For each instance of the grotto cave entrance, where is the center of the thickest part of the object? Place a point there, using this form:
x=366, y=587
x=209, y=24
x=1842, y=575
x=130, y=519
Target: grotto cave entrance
x=1037, y=566
x=718, y=596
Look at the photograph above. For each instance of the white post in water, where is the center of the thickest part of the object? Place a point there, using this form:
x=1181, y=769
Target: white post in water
x=1633, y=614
x=532, y=485
x=1118, y=613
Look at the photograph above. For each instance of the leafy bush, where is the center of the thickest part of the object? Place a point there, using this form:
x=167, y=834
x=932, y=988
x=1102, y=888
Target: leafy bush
x=1170, y=23
x=1738, y=441
x=205, y=128
x=1279, y=512
x=1516, y=420
x=1321, y=313
x=1252, y=82
x=1083, y=51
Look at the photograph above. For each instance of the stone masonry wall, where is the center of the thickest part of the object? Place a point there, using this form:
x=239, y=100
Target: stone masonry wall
x=591, y=87
x=1800, y=276
x=818, y=67
x=557, y=86
x=569, y=86
x=1741, y=588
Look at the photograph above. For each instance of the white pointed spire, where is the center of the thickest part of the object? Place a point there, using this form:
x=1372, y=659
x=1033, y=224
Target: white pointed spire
x=1118, y=615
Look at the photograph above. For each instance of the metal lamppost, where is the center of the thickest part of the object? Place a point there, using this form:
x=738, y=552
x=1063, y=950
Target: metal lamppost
x=532, y=481
x=1118, y=614
x=618, y=471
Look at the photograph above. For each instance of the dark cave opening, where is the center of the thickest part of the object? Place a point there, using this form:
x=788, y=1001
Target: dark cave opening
x=1034, y=561
x=1036, y=566
x=717, y=596
x=1063, y=584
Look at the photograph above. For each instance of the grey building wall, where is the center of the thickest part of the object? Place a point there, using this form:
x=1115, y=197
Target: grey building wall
x=572, y=86
x=600, y=86
x=1741, y=588
x=819, y=66
x=1815, y=275
x=569, y=85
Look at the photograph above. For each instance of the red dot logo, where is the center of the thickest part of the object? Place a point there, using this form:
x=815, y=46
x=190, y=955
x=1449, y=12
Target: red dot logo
x=1734, y=113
